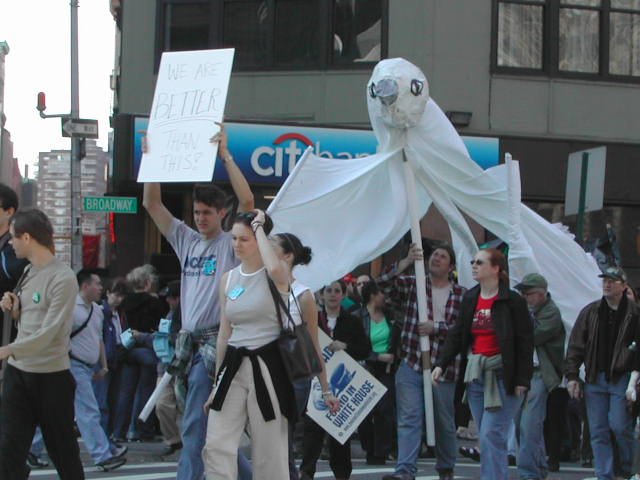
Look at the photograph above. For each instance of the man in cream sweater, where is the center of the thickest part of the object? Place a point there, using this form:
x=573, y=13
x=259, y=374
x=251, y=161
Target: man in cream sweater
x=38, y=386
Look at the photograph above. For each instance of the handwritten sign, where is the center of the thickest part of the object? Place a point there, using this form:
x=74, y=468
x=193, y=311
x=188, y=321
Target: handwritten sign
x=357, y=390
x=191, y=92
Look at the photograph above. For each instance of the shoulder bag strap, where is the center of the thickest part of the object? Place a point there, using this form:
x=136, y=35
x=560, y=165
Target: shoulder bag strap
x=84, y=325
x=280, y=305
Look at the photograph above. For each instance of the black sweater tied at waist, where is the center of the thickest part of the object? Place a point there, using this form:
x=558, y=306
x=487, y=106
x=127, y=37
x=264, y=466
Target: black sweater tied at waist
x=270, y=355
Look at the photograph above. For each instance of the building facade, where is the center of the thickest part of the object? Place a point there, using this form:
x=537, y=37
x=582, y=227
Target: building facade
x=54, y=198
x=545, y=78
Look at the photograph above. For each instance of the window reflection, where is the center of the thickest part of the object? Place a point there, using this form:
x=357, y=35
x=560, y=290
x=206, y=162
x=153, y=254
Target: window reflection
x=520, y=36
x=357, y=31
x=579, y=40
x=624, y=44
x=187, y=26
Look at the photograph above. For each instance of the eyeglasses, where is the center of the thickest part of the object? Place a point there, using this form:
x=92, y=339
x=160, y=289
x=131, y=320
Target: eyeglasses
x=477, y=262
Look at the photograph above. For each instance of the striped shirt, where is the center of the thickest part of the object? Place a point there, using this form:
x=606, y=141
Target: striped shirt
x=401, y=291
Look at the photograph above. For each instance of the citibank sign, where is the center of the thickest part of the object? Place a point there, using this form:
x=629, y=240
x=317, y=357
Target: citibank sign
x=267, y=154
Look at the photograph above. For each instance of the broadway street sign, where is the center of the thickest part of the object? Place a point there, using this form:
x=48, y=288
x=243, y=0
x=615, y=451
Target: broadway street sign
x=110, y=204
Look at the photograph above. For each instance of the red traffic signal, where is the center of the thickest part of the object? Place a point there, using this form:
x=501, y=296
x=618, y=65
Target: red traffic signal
x=42, y=102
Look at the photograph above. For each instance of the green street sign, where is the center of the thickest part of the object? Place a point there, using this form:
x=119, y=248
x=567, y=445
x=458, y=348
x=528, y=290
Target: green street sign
x=110, y=204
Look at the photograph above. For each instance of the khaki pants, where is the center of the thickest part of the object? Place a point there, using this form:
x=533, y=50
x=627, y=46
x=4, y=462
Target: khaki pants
x=269, y=448
x=168, y=414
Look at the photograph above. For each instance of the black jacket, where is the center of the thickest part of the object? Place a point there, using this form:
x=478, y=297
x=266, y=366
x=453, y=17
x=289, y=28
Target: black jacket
x=583, y=343
x=394, y=342
x=514, y=329
x=142, y=311
x=349, y=330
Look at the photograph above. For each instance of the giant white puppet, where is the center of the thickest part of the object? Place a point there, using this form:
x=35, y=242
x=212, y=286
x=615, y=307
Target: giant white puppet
x=351, y=211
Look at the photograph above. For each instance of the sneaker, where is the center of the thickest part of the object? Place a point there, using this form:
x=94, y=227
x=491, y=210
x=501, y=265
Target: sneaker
x=111, y=464
x=36, y=462
x=171, y=449
x=120, y=452
x=399, y=476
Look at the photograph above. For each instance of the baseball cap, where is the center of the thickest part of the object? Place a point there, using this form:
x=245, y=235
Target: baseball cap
x=614, y=273
x=532, y=280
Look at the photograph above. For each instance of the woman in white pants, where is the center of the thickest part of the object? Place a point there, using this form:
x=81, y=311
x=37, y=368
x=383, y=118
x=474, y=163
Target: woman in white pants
x=252, y=386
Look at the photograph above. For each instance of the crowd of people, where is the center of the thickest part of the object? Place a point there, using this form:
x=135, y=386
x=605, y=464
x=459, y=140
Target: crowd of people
x=88, y=357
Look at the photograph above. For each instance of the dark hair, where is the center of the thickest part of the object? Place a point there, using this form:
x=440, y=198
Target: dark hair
x=369, y=289
x=84, y=276
x=497, y=259
x=245, y=218
x=119, y=287
x=292, y=244
x=8, y=197
x=36, y=224
x=343, y=286
x=447, y=248
x=210, y=195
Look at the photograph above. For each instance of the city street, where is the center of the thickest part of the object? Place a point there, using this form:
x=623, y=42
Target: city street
x=146, y=464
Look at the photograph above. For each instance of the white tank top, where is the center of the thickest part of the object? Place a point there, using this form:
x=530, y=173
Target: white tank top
x=250, y=309
x=295, y=299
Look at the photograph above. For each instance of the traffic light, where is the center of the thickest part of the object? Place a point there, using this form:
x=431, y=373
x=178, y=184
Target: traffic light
x=42, y=102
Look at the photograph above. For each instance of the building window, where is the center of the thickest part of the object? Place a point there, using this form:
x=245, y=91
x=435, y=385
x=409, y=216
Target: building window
x=597, y=39
x=278, y=34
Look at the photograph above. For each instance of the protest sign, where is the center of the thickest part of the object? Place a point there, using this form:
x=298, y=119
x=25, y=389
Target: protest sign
x=190, y=96
x=357, y=390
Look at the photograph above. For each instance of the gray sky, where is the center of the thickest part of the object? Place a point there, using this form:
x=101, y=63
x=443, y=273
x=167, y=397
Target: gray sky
x=37, y=32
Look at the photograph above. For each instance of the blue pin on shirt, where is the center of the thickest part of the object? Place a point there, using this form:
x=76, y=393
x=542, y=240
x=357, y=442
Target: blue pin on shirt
x=236, y=292
x=210, y=266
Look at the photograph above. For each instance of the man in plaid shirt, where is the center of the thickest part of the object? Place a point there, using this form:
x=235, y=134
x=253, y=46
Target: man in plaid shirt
x=443, y=305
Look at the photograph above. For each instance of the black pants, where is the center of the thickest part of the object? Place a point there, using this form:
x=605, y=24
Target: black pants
x=339, y=455
x=376, y=430
x=45, y=399
x=555, y=423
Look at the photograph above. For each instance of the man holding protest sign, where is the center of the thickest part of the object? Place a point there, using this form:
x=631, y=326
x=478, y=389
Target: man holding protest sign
x=204, y=255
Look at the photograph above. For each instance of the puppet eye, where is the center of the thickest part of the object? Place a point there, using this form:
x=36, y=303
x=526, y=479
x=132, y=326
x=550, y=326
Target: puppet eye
x=417, y=86
x=372, y=90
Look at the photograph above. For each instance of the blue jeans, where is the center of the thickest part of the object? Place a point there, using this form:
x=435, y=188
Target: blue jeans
x=493, y=428
x=532, y=458
x=410, y=407
x=194, y=427
x=37, y=446
x=138, y=381
x=101, y=391
x=88, y=414
x=607, y=410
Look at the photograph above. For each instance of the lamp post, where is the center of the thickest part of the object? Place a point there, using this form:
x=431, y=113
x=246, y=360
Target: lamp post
x=76, y=193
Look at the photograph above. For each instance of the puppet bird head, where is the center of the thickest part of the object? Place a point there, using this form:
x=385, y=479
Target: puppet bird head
x=397, y=94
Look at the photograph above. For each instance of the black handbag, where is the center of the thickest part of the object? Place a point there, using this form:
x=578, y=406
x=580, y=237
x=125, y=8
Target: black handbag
x=299, y=354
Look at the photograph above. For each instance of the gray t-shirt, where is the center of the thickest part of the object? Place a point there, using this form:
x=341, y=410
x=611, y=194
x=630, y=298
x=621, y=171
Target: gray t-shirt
x=203, y=263
x=86, y=344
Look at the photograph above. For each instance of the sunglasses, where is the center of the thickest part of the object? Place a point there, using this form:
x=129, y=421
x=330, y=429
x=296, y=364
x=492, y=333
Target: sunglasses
x=477, y=262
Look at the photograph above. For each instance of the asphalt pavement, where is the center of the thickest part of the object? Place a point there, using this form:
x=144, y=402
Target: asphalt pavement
x=145, y=463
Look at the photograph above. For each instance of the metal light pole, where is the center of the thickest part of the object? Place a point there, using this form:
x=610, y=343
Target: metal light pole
x=76, y=191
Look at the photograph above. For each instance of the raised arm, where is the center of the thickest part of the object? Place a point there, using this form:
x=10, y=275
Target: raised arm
x=277, y=269
x=152, y=200
x=238, y=182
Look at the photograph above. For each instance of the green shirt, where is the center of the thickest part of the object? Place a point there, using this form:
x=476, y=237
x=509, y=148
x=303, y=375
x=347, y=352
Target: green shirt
x=380, y=336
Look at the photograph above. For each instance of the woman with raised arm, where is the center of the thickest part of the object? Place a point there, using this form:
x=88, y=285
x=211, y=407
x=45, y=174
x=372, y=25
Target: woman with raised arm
x=252, y=385
x=495, y=332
